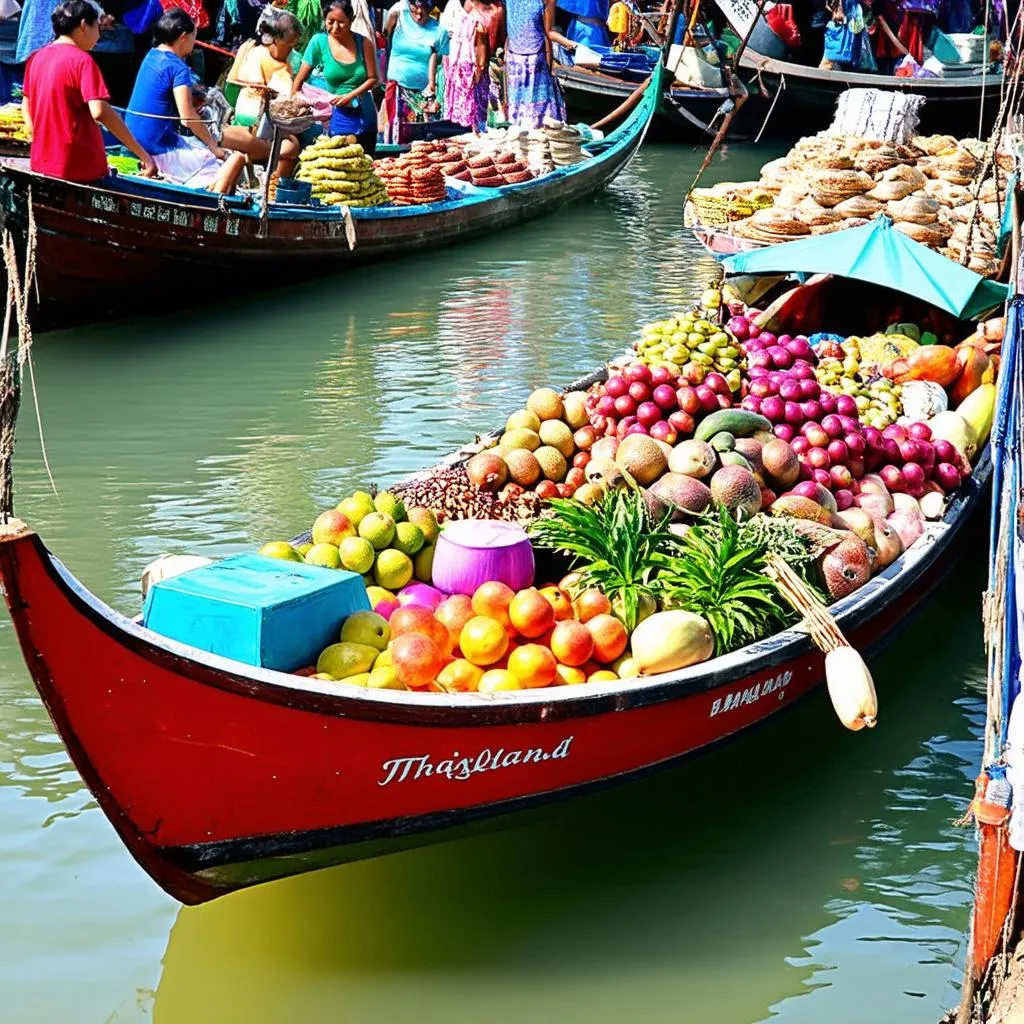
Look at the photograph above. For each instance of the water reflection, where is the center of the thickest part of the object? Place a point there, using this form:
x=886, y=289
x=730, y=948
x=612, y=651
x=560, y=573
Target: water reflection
x=797, y=874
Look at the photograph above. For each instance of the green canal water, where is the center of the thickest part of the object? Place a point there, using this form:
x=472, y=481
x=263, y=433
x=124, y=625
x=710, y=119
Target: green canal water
x=802, y=874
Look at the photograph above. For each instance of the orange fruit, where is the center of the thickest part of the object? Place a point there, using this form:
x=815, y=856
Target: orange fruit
x=602, y=675
x=571, y=642
x=460, y=675
x=416, y=660
x=498, y=679
x=590, y=604
x=531, y=613
x=560, y=601
x=483, y=640
x=568, y=675
x=610, y=638
x=454, y=612
x=533, y=665
x=492, y=600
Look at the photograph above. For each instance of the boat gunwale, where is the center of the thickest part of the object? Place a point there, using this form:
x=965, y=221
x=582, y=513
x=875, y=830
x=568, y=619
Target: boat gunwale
x=521, y=706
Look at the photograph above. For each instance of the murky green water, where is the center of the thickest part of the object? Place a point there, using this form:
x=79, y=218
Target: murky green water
x=802, y=874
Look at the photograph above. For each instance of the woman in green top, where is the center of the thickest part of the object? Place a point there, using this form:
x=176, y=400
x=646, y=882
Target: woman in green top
x=349, y=65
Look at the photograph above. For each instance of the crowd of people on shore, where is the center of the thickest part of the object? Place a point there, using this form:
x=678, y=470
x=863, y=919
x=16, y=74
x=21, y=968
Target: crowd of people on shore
x=369, y=76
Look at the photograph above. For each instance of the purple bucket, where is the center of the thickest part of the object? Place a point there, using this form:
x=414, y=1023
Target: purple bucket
x=474, y=551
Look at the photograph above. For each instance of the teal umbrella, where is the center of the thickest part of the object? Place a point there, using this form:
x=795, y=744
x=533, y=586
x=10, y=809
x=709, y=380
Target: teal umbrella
x=878, y=254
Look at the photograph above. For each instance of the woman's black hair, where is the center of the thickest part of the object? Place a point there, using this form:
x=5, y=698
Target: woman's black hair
x=340, y=5
x=171, y=26
x=70, y=14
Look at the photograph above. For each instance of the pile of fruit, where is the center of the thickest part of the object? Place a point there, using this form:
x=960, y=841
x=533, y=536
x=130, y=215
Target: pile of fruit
x=662, y=497
x=340, y=172
x=497, y=639
x=377, y=537
x=692, y=345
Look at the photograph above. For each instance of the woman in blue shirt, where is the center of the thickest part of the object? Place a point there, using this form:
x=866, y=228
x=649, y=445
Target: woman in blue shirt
x=411, y=92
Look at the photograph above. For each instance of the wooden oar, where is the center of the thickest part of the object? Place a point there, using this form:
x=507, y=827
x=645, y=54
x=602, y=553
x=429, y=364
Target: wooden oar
x=625, y=106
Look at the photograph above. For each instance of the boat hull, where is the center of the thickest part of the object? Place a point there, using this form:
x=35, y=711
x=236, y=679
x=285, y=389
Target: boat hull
x=218, y=776
x=806, y=97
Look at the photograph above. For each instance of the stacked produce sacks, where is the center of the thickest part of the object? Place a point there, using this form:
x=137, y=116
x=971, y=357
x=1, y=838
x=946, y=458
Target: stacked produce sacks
x=340, y=172
x=940, y=191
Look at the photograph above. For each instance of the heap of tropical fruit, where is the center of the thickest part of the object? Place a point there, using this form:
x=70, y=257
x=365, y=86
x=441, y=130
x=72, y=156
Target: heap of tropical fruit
x=653, y=495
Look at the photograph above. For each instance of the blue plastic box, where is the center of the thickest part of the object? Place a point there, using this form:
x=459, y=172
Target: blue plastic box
x=263, y=611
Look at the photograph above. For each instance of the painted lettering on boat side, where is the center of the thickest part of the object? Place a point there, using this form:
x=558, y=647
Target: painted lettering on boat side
x=106, y=203
x=731, y=701
x=459, y=768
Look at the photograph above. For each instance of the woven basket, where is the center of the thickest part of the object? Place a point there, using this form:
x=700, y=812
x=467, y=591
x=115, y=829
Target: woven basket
x=719, y=211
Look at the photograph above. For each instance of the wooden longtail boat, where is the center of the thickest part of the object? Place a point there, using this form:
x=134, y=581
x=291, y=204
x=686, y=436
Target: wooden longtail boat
x=807, y=97
x=218, y=776
x=113, y=247
x=685, y=115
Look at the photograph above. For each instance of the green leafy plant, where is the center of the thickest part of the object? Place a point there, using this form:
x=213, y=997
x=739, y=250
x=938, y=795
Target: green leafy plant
x=717, y=571
x=614, y=545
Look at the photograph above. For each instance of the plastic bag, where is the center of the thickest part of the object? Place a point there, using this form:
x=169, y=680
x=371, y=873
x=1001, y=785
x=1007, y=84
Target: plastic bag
x=319, y=100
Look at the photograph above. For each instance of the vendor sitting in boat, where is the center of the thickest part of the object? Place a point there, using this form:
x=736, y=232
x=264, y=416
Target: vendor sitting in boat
x=66, y=100
x=349, y=65
x=162, y=98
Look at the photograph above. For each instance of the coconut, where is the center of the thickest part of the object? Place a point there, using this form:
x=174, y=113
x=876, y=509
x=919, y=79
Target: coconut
x=846, y=567
x=546, y=403
x=641, y=458
x=520, y=437
x=552, y=463
x=737, y=489
x=681, y=494
x=487, y=471
x=523, y=467
x=575, y=413
x=558, y=435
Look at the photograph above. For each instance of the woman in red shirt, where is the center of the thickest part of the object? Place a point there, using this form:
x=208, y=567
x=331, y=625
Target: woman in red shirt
x=66, y=100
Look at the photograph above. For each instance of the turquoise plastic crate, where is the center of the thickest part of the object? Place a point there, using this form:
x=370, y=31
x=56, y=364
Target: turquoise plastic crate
x=262, y=611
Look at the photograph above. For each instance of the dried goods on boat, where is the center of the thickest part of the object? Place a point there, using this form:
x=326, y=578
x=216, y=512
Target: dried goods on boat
x=530, y=631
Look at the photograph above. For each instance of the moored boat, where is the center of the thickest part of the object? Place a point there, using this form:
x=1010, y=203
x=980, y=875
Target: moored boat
x=132, y=243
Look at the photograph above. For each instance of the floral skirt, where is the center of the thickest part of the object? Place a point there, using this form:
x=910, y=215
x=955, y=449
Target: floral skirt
x=531, y=90
x=465, y=103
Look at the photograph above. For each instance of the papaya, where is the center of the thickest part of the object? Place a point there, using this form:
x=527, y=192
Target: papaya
x=977, y=410
x=972, y=364
x=934, y=362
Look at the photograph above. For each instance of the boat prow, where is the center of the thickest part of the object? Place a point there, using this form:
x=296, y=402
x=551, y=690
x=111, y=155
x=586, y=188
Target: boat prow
x=218, y=776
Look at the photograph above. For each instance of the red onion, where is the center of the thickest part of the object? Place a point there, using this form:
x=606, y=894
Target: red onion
x=892, y=478
x=717, y=383
x=913, y=475
x=639, y=392
x=636, y=428
x=827, y=401
x=920, y=431
x=910, y=451
x=664, y=431
x=915, y=490
x=616, y=386
x=809, y=389
x=780, y=357
x=803, y=372
x=845, y=405
x=598, y=422
x=855, y=464
x=661, y=375
x=624, y=406
x=648, y=413
x=751, y=403
x=806, y=489
x=738, y=327
x=844, y=498
x=724, y=401
x=773, y=409
x=760, y=389
x=790, y=390
x=812, y=410
x=768, y=338
x=948, y=476
x=664, y=397
x=850, y=424
x=753, y=345
x=624, y=425
x=855, y=444
x=606, y=406
x=895, y=432
x=784, y=339
x=891, y=450
x=794, y=413
x=784, y=432
x=800, y=347
x=841, y=477
x=757, y=373
x=837, y=451
x=683, y=422
x=946, y=451
x=815, y=434
x=707, y=398
x=818, y=458
x=806, y=473
x=687, y=398
x=761, y=360
x=637, y=372
x=832, y=425
x=927, y=456
x=800, y=445
x=753, y=331
x=873, y=439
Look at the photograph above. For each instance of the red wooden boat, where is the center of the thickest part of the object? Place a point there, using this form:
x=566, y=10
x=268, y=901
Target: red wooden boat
x=219, y=776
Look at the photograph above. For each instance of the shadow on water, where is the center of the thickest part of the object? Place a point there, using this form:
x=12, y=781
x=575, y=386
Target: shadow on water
x=727, y=890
